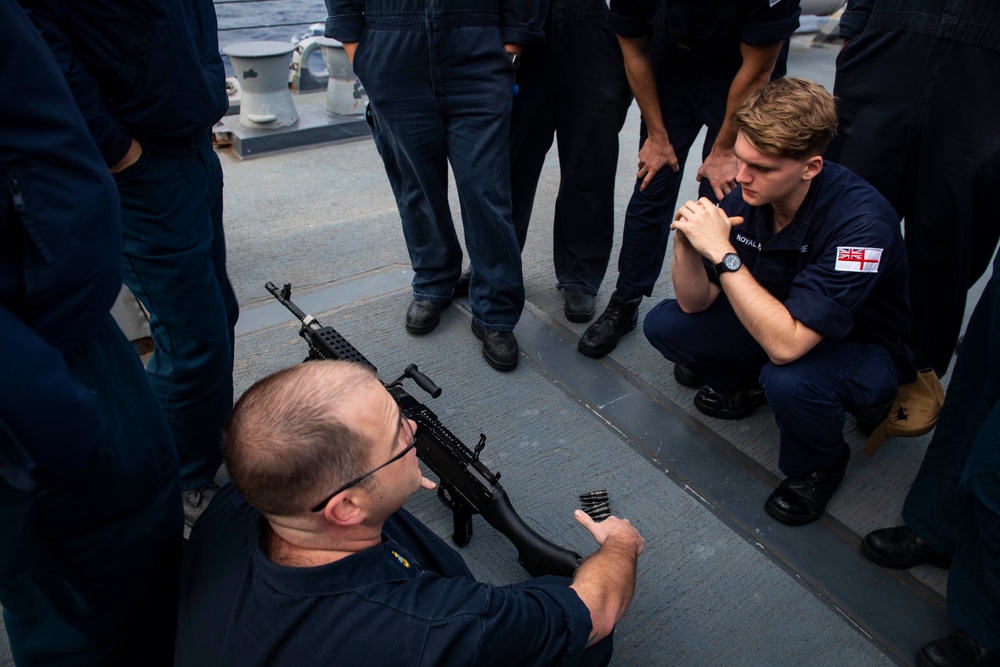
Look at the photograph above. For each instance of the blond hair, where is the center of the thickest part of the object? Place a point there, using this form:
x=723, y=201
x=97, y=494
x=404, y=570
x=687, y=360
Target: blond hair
x=788, y=117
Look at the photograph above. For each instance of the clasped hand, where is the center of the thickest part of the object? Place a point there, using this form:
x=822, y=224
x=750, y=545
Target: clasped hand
x=705, y=227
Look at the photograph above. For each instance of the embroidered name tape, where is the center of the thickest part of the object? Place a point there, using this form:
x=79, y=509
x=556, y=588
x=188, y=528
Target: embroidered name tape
x=861, y=260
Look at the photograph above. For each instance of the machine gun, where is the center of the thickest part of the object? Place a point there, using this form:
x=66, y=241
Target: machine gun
x=466, y=485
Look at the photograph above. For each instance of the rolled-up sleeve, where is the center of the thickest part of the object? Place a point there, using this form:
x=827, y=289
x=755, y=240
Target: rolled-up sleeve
x=626, y=18
x=825, y=296
x=346, y=20
x=538, y=622
x=855, y=17
x=523, y=21
x=770, y=22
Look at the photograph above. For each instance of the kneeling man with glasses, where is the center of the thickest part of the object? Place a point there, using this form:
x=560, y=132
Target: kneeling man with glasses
x=280, y=571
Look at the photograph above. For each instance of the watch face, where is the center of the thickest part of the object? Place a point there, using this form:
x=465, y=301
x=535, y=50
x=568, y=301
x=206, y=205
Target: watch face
x=732, y=261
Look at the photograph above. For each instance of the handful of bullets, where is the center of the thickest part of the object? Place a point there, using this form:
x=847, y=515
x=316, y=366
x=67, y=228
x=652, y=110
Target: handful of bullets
x=596, y=504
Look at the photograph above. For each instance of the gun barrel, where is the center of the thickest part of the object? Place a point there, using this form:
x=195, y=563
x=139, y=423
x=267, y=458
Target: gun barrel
x=287, y=303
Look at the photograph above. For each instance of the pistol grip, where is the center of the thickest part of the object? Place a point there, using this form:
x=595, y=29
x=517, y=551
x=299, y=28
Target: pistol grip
x=462, y=522
x=461, y=514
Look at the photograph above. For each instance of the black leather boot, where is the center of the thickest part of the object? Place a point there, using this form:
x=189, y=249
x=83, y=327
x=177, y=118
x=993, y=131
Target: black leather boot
x=801, y=500
x=736, y=404
x=686, y=378
x=499, y=347
x=578, y=306
x=422, y=317
x=900, y=548
x=618, y=319
x=956, y=650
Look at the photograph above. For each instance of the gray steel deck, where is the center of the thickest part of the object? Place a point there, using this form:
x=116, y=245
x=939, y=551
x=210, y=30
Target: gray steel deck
x=720, y=583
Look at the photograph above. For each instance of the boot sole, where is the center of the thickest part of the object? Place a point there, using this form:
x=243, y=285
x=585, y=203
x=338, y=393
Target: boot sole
x=500, y=366
x=420, y=331
x=579, y=317
x=790, y=519
x=723, y=414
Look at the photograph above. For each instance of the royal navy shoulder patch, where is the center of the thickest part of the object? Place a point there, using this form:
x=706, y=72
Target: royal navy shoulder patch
x=860, y=260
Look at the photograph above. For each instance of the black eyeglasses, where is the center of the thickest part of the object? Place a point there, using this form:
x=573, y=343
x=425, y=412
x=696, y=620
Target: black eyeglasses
x=404, y=425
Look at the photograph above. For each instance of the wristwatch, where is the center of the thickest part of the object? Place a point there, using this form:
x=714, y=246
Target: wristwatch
x=730, y=262
x=515, y=59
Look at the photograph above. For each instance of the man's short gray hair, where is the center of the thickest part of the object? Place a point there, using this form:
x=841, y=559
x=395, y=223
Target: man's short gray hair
x=288, y=441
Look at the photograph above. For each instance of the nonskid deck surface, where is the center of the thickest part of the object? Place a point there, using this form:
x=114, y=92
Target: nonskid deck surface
x=720, y=583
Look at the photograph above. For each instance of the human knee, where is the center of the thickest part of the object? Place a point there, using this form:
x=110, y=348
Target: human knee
x=788, y=385
x=665, y=327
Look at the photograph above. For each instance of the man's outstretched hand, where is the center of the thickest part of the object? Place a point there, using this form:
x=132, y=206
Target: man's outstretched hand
x=613, y=529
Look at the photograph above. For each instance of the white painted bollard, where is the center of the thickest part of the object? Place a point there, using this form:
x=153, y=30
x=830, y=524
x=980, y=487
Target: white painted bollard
x=262, y=71
x=344, y=94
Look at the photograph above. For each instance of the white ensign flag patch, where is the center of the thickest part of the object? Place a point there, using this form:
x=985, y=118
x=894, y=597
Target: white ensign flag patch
x=861, y=260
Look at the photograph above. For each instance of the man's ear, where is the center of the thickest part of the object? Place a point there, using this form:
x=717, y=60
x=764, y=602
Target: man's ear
x=812, y=167
x=345, y=509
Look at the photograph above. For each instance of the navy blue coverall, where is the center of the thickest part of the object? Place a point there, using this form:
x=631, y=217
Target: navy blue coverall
x=822, y=267
x=917, y=97
x=90, y=516
x=954, y=503
x=573, y=85
x=440, y=87
x=408, y=601
x=692, y=85
x=150, y=70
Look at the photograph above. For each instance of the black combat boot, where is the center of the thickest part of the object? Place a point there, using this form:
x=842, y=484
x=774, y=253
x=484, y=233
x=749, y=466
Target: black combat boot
x=618, y=319
x=499, y=347
x=801, y=500
x=900, y=548
x=422, y=317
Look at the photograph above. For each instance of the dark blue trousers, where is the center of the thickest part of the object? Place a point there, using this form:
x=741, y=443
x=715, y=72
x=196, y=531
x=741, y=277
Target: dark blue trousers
x=954, y=503
x=692, y=94
x=809, y=396
x=573, y=85
x=89, y=571
x=175, y=264
x=442, y=96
